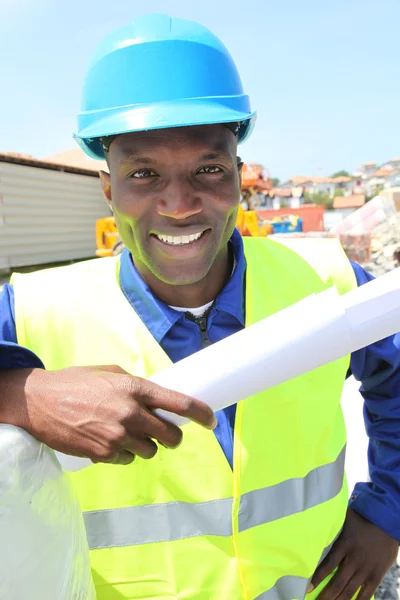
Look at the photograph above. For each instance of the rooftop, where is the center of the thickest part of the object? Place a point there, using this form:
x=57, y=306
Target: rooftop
x=303, y=179
x=341, y=179
x=280, y=193
x=74, y=161
x=78, y=159
x=382, y=173
x=355, y=201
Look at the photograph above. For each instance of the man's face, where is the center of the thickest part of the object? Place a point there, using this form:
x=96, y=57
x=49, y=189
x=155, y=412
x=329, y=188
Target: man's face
x=175, y=195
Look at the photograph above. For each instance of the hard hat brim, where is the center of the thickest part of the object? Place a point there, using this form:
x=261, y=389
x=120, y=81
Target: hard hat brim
x=179, y=113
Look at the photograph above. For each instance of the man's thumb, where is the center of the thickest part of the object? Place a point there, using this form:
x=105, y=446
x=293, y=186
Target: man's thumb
x=111, y=369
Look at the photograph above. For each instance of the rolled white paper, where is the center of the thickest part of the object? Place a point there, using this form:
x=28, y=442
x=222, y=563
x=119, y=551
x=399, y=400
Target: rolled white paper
x=316, y=331
x=274, y=350
x=372, y=310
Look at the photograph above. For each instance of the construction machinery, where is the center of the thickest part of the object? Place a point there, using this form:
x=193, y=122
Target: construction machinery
x=247, y=222
x=107, y=238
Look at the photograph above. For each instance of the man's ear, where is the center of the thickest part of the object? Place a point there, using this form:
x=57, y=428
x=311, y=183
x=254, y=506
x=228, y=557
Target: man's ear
x=106, y=187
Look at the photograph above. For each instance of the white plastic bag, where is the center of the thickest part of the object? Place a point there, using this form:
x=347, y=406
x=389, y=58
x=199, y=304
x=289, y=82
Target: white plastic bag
x=43, y=549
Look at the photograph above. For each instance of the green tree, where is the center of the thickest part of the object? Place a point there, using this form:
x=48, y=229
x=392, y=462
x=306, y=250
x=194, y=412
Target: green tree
x=319, y=198
x=275, y=181
x=342, y=173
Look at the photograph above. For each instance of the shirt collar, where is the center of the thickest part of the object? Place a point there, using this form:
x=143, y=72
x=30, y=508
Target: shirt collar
x=231, y=298
x=158, y=317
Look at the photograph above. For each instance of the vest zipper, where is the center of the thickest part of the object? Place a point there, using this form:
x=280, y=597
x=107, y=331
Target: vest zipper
x=201, y=323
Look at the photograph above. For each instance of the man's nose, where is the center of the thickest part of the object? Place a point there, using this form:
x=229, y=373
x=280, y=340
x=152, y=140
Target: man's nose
x=179, y=201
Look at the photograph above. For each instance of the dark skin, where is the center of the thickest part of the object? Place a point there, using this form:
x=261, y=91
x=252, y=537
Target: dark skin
x=363, y=554
x=176, y=183
x=101, y=413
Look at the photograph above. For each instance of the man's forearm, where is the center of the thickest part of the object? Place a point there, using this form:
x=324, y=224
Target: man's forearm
x=14, y=392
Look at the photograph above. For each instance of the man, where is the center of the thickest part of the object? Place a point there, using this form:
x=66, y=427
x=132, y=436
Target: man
x=256, y=508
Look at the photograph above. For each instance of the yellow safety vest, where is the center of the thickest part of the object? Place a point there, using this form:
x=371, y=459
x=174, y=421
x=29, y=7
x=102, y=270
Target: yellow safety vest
x=184, y=525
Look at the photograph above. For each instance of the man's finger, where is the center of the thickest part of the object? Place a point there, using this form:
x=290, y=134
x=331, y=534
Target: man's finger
x=368, y=590
x=329, y=564
x=370, y=585
x=155, y=427
x=164, y=432
x=353, y=586
x=179, y=404
x=122, y=458
x=338, y=583
x=142, y=446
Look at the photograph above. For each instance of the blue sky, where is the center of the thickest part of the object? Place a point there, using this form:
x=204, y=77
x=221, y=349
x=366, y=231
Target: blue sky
x=323, y=75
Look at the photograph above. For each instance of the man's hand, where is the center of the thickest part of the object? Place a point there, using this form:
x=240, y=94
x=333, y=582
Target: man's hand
x=363, y=554
x=101, y=413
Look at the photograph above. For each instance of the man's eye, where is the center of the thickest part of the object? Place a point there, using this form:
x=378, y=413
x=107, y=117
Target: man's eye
x=144, y=174
x=210, y=170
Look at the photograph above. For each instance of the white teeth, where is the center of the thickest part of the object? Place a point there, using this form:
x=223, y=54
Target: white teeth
x=179, y=240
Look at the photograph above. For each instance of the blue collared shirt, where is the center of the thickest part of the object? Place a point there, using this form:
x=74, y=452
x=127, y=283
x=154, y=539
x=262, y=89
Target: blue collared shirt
x=377, y=367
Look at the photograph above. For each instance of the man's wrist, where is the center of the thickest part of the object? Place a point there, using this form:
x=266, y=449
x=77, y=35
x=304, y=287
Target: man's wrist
x=17, y=388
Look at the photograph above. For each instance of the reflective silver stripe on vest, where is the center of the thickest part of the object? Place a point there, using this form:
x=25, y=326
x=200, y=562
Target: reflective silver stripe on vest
x=291, y=587
x=287, y=588
x=157, y=523
x=292, y=496
x=177, y=520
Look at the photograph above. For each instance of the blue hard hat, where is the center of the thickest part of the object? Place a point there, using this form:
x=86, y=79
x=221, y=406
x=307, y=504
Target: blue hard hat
x=160, y=72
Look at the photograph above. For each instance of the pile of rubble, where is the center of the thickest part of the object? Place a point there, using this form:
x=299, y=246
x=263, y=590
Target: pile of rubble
x=384, y=252
x=374, y=235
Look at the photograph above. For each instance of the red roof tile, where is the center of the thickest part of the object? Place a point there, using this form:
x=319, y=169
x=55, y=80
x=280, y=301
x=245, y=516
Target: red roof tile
x=355, y=201
x=78, y=159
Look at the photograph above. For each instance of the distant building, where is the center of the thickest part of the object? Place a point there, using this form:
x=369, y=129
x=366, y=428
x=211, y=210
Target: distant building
x=278, y=198
x=393, y=179
x=376, y=180
x=313, y=185
x=366, y=169
x=368, y=180
x=344, y=183
x=66, y=201
x=392, y=164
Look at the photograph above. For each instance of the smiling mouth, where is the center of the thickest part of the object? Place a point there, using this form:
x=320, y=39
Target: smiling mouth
x=179, y=240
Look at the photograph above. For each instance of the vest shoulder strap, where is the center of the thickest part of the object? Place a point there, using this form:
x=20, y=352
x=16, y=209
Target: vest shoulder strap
x=326, y=257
